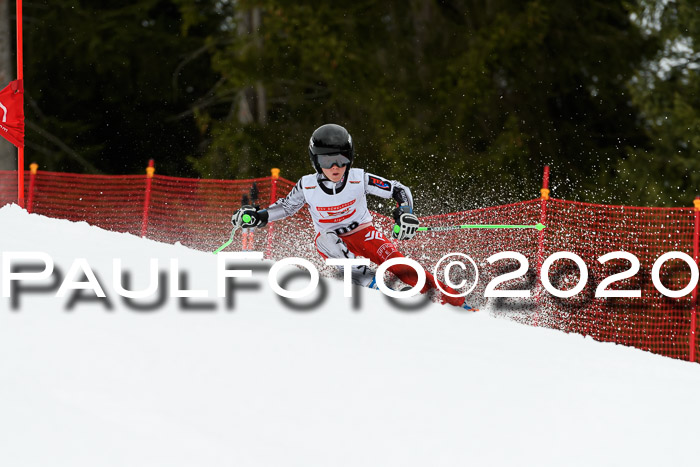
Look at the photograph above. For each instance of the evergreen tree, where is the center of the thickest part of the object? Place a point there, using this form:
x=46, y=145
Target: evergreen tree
x=465, y=100
x=667, y=90
x=110, y=85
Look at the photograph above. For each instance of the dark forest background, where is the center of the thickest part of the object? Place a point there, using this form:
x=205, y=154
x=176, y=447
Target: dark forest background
x=464, y=101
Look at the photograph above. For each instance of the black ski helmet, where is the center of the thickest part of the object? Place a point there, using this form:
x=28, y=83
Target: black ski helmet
x=330, y=139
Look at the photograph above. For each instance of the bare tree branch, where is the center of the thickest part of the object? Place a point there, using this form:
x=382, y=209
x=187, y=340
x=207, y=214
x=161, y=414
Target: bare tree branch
x=63, y=146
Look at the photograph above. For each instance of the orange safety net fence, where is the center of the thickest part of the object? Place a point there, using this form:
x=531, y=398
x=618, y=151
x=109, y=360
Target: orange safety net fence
x=196, y=213
x=652, y=322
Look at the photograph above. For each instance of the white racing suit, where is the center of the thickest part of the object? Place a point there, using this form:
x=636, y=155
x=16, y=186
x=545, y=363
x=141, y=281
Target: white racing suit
x=338, y=209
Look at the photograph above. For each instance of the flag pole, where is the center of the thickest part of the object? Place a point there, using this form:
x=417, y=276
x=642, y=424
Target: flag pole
x=20, y=75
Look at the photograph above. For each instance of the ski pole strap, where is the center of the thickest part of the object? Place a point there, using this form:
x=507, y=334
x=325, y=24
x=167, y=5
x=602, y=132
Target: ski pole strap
x=537, y=226
x=228, y=242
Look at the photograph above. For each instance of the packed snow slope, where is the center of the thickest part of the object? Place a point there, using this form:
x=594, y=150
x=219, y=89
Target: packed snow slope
x=264, y=385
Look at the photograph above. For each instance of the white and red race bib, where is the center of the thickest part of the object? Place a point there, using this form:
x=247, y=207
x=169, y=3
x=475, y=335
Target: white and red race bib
x=341, y=211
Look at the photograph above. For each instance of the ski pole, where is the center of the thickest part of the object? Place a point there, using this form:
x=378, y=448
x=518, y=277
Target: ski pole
x=229, y=241
x=537, y=226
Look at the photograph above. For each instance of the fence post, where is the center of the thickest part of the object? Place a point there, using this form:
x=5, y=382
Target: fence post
x=273, y=197
x=20, y=78
x=544, y=197
x=150, y=170
x=33, y=167
x=694, y=297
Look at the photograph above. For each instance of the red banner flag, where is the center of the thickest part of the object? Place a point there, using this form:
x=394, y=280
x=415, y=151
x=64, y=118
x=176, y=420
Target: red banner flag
x=12, y=113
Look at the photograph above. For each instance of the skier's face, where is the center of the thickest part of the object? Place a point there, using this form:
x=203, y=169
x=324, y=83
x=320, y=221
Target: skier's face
x=335, y=173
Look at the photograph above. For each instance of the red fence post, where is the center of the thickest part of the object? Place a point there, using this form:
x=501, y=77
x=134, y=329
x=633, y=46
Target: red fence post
x=273, y=197
x=544, y=197
x=694, y=297
x=150, y=170
x=20, y=76
x=33, y=167
x=20, y=177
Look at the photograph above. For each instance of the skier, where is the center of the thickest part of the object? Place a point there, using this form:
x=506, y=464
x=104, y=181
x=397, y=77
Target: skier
x=336, y=195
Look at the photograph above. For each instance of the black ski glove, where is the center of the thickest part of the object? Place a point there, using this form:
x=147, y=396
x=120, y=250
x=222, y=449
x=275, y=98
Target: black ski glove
x=406, y=223
x=248, y=217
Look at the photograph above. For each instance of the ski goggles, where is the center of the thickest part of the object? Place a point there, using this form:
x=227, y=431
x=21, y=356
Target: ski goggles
x=326, y=161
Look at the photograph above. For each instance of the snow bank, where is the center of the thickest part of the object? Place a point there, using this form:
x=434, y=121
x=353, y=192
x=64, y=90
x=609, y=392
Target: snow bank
x=264, y=385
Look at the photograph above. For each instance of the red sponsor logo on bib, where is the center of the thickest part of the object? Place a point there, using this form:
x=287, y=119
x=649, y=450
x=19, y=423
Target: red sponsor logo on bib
x=333, y=220
x=339, y=207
